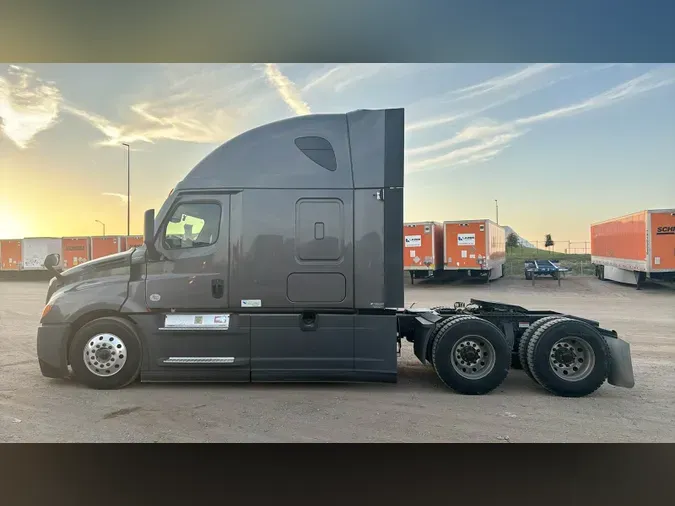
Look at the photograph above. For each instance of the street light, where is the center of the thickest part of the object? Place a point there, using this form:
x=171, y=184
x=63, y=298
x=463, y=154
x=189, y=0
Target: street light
x=497, y=210
x=128, y=184
x=99, y=221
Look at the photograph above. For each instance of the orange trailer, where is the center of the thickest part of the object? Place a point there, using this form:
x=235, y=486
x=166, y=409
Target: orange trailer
x=105, y=245
x=632, y=248
x=474, y=248
x=74, y=251
x=11, y=254
x=132, y=241
x=423, y=249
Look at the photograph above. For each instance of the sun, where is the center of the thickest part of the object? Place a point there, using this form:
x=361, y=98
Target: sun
x=11, y=224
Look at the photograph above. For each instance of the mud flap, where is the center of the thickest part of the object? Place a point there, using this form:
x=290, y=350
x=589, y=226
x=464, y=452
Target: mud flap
x=621, y=372
x=425, y=325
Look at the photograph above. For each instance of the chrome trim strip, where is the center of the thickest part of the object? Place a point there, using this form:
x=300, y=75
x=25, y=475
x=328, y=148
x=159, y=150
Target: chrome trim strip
x=195, y=327
x=199, y=360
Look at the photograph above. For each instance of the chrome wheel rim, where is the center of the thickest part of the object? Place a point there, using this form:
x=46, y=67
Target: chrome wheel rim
x=572, y=358
x=105, y=355
x=473, y=357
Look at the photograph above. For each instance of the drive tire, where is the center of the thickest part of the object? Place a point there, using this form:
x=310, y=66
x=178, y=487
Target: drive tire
x=525, y=341
x=541, y=350
x=485, y=338
x=123, y=331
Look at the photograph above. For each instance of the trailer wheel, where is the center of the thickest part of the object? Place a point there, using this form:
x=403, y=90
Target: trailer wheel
x=106, y=354
x=569, y=358
x=525, y=341
x=471, y=355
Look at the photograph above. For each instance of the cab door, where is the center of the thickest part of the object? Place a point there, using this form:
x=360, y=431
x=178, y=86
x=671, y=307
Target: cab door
x=193, y=334
x=193, y=242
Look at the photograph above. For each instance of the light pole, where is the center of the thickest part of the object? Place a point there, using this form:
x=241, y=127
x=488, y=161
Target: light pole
x=497, y=210
x=99, y=221
x=128, y=184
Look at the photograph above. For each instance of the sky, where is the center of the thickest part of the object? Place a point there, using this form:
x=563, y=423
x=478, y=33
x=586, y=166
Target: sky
x=558, y=145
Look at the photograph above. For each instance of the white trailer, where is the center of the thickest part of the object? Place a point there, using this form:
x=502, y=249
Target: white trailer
x=35, y=250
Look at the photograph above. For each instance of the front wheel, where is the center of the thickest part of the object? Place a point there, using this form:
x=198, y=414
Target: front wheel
x=470, y=355
x=106, y=354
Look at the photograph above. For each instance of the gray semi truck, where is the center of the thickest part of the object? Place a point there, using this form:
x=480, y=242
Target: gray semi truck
x=279, y=257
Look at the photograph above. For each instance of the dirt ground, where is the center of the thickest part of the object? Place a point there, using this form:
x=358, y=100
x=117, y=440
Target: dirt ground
x=417, y=409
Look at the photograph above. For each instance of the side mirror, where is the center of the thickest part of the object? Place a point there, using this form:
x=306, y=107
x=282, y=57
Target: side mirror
x=52, y=260
x=50, y=263
x=149, y=233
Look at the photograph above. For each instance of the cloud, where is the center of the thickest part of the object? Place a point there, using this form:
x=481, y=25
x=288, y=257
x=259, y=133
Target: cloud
x=338, y=78
x=286, y=89
x=518, y=85
x=190, y=103
x=649, y=81
x=504, y=81
x=487, y=147
x=493, y=85
x=491, y=137
x=28, y=105
x=343, y=76
x=327, y=77
x=185, y=102
x=123, y=198
x=477, y=131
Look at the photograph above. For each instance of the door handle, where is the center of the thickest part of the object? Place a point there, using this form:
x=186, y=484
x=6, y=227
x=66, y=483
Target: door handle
x=217, y=288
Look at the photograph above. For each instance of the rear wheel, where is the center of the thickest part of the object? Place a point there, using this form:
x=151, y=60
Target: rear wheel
x=525, y=341
x=528, y=275
x=106, y=353
x=471, y=355
x=568, y=357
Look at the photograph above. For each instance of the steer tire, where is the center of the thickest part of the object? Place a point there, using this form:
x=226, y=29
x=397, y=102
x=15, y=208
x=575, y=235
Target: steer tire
x=121, y=330
x=457, y=331
x=540, y=350
x=525, y=340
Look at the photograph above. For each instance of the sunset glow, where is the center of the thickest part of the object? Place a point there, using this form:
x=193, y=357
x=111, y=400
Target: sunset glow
x=475, y=133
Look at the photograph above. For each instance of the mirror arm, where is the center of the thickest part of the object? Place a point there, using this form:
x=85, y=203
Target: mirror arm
x=52, y=269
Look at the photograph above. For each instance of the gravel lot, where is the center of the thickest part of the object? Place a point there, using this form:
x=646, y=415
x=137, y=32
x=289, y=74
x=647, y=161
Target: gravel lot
x=417, y=409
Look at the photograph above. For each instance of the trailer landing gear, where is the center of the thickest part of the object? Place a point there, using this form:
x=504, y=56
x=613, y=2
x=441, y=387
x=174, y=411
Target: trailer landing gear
x=640, y=278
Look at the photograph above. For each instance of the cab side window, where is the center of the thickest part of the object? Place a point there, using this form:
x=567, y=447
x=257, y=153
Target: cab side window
x=192, y=225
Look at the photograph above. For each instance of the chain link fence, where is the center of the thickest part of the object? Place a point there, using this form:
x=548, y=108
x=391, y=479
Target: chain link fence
x=559, y=247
